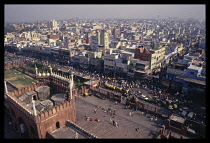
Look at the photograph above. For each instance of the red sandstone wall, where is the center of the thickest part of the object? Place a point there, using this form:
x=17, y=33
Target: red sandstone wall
x=45, y=121
x=19, y=114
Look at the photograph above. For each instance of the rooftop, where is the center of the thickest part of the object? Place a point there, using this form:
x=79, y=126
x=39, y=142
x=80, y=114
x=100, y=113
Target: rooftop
x=201, y=82
x=42, y=88
x=194, y=67
x=176, y=135
x=143, y=62
x=59, y=97
x=177, y=118
x=90, y=82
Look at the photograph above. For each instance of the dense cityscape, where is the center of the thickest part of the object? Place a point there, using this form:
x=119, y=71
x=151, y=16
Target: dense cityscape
x=105, y=78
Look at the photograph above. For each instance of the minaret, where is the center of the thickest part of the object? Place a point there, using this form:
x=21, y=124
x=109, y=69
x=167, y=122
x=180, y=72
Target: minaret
x=36, y=70
x=34, y=107
x=5, y=86
x=71, y=85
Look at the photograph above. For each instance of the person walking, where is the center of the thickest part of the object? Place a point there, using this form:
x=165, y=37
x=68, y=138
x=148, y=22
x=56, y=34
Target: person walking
x=114, y=111
x=94, y=110
x=131, y=113
x=116, y=124
x=113, y=123
x=110, y=119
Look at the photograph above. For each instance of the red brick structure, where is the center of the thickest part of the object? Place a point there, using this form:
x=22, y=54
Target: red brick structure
x=12, y=64
x=34, y=125
x=51, y=36
x=142, y=53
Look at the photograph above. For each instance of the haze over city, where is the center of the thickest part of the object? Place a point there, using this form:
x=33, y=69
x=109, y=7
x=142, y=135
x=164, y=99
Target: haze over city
x=32, y=13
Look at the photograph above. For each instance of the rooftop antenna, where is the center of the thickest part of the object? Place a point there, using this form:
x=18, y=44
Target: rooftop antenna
x=158, y=16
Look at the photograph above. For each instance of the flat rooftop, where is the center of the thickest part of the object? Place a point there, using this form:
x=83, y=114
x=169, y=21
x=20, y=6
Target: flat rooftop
x=201, y=82
x=194, y=67
x=90, y=82
x=143, y=62
x=177, y=118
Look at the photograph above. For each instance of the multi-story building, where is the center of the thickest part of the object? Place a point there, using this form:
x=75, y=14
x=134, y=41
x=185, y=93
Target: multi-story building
x=52, y=24
x=94, y=42
x=109, y=61
x=103, y=39
x=154, y=55
x=60, y=55
x=157, y=58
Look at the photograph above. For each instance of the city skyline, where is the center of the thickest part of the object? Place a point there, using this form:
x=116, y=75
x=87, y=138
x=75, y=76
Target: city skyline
x=29, y=13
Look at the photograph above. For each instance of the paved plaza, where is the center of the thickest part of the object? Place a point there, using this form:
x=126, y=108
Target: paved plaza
x=104, y=128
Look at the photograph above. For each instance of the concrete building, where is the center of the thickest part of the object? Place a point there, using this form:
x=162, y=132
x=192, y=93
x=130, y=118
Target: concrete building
x=53, y=25
x=93, y=42
x=157, y=58
x=154, y=55
x=181, y=128
x=109, y=62
x=103, y=39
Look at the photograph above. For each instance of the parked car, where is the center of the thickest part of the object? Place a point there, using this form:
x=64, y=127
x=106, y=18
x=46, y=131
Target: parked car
x=183, y=109
x=100, y=96
x=168, y=101
x=163, y=103
x=170, y=107
x=164, y=116
x=175, y=106
x=191, y=132
x=184, y=113
x=190, y=115
x=86, y=94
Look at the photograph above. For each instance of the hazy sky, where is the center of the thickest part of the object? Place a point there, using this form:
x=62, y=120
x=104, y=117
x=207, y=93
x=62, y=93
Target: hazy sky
x=25, y=13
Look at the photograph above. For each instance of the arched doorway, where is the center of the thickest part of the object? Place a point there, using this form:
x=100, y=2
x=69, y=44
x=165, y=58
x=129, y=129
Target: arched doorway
x=16, y=127
x=33, y=133
x=23, y=127
x=13, y=113
x=57, y=124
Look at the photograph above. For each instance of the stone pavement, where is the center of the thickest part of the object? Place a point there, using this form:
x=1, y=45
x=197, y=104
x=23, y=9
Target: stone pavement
x=66, y=133
x=104, y=128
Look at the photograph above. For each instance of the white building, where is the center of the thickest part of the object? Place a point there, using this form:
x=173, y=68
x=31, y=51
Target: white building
x=109, y=61
x=52, y=24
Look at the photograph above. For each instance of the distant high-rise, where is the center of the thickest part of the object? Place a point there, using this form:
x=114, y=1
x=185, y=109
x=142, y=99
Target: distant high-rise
x=38, y=24
x=103, y=39
x=94, y=42
x=52, y=24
